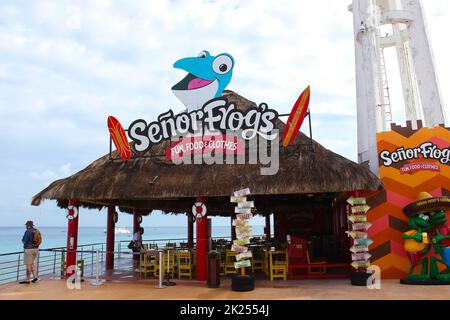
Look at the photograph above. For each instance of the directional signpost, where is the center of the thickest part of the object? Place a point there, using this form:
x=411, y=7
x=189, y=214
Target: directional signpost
x=243, y=257
x=357, y=218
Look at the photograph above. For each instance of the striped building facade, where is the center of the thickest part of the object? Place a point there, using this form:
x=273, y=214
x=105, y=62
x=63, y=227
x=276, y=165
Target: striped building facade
x=402, y=186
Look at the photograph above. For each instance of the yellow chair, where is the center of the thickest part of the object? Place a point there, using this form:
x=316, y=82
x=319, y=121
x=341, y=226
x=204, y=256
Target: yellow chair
x=222, y=262
x=278, y=264
x=147, y=263
x=164, y=264
x=184, y=264
x=257, y=260
x=230, y=258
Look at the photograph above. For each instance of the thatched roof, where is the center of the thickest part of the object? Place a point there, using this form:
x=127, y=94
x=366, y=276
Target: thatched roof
x=152, y=183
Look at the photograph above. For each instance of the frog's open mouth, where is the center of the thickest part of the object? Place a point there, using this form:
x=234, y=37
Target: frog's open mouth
x=191, y=82
x=194, y=92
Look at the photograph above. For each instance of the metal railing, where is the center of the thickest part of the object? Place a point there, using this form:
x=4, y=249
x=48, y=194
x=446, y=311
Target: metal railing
x=51, y=261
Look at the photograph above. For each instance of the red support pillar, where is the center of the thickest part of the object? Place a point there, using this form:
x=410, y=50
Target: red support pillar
x=72, y=236
x=190, y=230
x=110, y=228
x=267, y=227
x=202, y=245
x=233, y=228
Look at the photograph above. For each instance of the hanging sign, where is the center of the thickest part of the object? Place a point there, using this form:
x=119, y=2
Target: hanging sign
x=242, y=264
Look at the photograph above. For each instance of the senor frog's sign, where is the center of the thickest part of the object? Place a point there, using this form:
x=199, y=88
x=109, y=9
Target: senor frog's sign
x=426, y=157
x=216, y=115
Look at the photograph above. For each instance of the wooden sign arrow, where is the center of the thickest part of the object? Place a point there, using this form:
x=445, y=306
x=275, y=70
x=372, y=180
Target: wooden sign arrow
x=357, y=218
x=362, y=226
x=360, y=209
x=361, y=256
x=356, y=201
x=360, y=264
x=358, y=249
x=363, y=242
x=357, y=234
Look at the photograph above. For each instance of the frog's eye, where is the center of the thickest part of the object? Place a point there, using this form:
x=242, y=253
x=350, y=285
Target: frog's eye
x=424, y=217
x=222, y=64
x=203, y=54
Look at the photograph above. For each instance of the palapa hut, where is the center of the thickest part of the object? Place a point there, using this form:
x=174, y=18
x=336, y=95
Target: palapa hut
x=306, y=197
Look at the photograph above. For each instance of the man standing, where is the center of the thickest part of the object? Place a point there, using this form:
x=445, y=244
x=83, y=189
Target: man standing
x=31, y=241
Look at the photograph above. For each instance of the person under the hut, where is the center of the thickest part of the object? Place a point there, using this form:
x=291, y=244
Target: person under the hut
x=137, y=246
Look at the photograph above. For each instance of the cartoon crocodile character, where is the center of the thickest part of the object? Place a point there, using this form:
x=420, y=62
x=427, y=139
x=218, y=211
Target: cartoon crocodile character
x=207, y=77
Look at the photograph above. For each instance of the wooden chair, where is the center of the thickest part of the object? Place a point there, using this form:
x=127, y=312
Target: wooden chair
x=230, y=258
x=316, y=266
x=184, y=264
x=147, y=263
x=258, y=259
x=278, y=264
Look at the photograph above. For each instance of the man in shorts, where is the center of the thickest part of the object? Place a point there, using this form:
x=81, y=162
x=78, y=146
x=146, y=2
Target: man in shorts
x=31, y=252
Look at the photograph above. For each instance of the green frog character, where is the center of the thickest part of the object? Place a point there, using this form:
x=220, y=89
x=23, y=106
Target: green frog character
x=441, y=245
x=417, y=244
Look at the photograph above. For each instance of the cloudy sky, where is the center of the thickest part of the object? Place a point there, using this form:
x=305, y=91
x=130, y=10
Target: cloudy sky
x=66, y=65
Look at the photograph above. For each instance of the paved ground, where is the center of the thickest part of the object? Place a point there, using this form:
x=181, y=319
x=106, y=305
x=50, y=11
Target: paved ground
x=126, y=288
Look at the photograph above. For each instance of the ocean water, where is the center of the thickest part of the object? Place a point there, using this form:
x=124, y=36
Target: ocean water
x=11, y=237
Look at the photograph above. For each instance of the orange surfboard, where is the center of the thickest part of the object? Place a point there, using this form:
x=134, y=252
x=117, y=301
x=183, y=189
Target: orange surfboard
x=119, y=138
x=296, y=117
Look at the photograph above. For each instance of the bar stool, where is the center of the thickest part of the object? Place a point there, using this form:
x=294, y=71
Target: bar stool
x=147, y=263
x=184, y=264
x=229, y=262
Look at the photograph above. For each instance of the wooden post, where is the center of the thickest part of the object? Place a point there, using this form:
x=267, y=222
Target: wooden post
x=110, y=234
x=72, y=235
x=233, y=228
x=190, y=229
x=267, y=227
x=136, y=226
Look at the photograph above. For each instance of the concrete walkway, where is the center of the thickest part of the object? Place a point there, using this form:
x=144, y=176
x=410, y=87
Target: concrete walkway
x=48, y=289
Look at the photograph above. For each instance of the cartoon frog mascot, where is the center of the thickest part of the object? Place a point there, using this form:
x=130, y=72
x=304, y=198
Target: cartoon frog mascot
x=441, y=245
x=417, y=244
x=428, y=221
